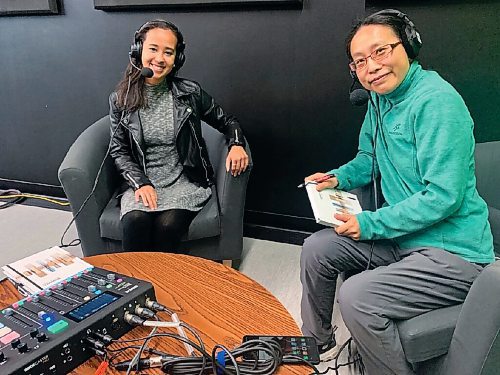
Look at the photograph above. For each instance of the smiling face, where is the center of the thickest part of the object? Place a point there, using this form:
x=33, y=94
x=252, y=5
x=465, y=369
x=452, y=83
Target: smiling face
x=158, y=53
x=382, y=76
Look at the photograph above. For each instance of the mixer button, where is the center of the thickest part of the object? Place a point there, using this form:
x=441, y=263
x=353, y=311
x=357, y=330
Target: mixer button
x=9, y=337
x=58, y=327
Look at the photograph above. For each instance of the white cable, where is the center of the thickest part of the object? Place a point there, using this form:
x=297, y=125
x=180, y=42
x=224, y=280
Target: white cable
x=182, y=333
x=152, y=323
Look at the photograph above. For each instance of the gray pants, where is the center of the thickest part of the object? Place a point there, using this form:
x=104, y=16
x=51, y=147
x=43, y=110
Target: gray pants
x=401, y=284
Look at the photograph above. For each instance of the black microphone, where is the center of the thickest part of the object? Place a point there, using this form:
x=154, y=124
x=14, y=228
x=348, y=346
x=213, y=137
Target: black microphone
x=145, y=72
x=359, y=97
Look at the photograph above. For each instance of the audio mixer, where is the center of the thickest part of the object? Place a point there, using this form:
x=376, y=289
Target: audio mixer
x=47, y=333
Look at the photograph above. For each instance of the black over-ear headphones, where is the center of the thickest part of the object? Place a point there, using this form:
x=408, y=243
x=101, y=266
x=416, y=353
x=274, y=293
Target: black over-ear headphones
x=409, y=34
x=136, y=47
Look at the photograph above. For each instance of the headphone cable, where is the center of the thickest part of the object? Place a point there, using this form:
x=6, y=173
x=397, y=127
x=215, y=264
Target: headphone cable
x=99, y=171
x=374, y=180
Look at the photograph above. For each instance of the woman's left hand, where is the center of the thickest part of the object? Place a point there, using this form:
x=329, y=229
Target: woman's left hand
x=237, y=160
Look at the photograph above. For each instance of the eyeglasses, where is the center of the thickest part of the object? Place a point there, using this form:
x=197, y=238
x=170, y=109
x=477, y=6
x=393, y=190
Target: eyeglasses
x=378, y=55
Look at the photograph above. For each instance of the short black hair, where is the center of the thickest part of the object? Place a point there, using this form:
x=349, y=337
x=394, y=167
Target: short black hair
x=397, y=25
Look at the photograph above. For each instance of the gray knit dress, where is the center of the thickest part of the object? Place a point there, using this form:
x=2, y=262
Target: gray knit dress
x=163, y=167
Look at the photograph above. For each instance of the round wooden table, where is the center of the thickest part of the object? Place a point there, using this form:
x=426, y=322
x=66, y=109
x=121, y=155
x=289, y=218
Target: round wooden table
x=222, y=304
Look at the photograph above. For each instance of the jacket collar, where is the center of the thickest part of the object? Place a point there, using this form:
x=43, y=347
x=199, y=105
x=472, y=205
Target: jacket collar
x=400, y=93
x=179, y=88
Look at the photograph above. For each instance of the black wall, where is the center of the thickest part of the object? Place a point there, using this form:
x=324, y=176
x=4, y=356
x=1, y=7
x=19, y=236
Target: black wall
x=283, y=73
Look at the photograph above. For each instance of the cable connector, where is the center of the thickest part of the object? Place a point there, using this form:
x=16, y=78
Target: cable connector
x=145, y=363
x=95, y=343
x=133, y=320
x=144, y=312
x=153, y=305
x=106, y=339
x=97, y=351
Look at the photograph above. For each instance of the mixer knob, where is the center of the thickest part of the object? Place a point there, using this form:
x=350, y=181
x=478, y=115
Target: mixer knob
x=34, y=332
x=23, y=347
x=8, y=311
x=41, y=337
x=110, y=276
x=48, y=293
x=91, y=288
x=101, y=282
x=36, y=298
x=60, y=286
x=15, y=343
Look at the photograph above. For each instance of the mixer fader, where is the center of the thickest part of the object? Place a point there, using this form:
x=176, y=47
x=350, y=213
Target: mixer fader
x=47, y=333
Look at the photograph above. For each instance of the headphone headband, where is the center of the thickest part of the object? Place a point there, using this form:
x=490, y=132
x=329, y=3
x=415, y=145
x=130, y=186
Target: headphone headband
x=409, y=34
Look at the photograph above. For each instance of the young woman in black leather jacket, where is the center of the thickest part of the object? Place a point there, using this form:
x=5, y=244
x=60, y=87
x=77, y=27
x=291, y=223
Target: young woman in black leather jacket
x=157, y=144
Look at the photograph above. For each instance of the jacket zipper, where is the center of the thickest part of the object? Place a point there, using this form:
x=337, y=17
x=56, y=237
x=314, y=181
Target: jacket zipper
x=136, y=185
x=127, y=174
x=138, y=148
x=236, y=139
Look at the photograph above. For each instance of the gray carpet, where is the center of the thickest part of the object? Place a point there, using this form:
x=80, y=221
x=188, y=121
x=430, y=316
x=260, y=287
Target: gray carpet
x=25, y=230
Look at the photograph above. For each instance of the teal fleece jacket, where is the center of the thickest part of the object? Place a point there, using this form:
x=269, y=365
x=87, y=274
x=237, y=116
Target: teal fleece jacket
x=425, y=157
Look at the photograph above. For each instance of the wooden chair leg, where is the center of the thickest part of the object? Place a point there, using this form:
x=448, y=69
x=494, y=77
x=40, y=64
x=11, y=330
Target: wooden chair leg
x=227, y=262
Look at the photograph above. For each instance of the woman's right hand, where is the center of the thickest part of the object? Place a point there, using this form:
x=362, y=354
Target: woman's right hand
x=330, y=183
x=147, y=194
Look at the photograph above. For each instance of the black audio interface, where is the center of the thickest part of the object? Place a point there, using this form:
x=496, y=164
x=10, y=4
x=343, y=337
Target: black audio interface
x=46, y=333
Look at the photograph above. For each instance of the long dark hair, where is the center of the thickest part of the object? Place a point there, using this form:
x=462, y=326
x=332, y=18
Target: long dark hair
x=136, y=98
x=395, y=23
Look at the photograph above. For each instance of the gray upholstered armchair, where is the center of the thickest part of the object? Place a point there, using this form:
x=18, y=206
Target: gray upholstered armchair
x=462, y=339
x=211, y=235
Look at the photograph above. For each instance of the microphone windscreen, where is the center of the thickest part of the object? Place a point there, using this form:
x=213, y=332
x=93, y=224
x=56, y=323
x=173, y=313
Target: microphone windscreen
x=359, y=97
x=146, y=72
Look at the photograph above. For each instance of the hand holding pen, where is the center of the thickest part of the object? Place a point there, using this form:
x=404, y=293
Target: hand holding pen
x=322, y=180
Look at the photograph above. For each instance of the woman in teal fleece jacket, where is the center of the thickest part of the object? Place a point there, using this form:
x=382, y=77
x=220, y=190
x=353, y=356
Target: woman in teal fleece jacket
x=432, y=236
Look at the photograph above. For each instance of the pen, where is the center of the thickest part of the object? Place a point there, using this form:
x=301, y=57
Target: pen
x=317, y=181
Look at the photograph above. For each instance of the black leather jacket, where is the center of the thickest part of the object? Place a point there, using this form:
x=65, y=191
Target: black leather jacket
x=191, y=106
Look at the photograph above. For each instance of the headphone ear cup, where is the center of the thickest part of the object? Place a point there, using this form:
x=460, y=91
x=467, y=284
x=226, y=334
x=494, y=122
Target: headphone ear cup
x=180, y=58
x=136, y=51
x=413, y=39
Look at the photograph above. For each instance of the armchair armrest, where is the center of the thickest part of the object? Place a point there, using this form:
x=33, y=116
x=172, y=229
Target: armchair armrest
x=475, y=345
x=232, y=195
x=77, y=174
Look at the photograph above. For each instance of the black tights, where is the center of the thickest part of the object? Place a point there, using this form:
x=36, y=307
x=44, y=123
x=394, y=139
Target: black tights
x=155, y=231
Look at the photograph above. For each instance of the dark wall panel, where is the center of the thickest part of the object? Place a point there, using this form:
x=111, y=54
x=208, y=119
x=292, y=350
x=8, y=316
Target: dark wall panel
x=283, y=73
x=461, y=39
